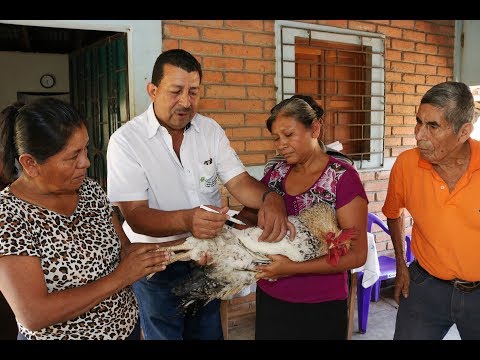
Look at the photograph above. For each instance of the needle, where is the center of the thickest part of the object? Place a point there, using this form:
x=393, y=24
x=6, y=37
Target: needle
x=229, y=213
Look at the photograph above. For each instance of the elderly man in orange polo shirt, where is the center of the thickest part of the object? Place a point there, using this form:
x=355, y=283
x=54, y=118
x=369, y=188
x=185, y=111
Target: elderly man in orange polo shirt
x=438, y=182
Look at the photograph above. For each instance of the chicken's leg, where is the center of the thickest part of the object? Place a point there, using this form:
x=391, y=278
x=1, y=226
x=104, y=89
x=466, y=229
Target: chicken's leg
x=183, y=256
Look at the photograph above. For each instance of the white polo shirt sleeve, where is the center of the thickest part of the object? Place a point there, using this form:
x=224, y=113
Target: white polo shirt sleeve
x=229, y=164
x=126, y=179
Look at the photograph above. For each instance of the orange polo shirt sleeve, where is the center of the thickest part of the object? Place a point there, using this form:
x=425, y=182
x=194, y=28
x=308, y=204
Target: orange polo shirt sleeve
x=446, y=225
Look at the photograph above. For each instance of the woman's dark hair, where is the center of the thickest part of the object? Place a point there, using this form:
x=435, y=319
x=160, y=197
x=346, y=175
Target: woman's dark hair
x=301, y=112
x=40, y=129
x=310, y=101
x=178, y=58
x=303, y=107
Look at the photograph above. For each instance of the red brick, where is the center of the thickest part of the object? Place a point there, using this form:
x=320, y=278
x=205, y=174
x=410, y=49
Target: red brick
x=242, y=51
x=256, y=119
x=214, y=77
x=228, y=36
x=382, y=175
x=414, y=35
x=178, y=31
x=402, y=67
x=221, y=63
x=253, y=159
x=389, y=31
x=414, y=57
x=414, y=78
x=260, y=145
x=403, y=44
x=224, y=91
x=426, y=69
x=440, y=39
x=248, y=25
x=241, y=105
x=426, y=48
x=375, y=185
x=262, y=66
x=211, y=104
x=402, y=130
x=259, y=39
x=335, y=23
x=247, y=132
x=361, y=25
x=243, y=78
x=437, y=60
x=224, y=118
x=404, y=24
x=201, y=47
x=260, y=92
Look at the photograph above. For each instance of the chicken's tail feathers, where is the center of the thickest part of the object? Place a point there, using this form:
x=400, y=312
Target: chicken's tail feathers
x=195, y=291
x=338, y=244
x=202, y=286
x=191, y=306
x=232, y=290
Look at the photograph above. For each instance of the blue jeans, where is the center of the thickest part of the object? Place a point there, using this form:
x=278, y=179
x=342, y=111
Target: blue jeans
x=433, y=306
x=160, y=318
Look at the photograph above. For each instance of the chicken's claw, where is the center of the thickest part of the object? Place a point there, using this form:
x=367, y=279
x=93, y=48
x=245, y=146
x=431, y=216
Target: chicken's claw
x=183, y=255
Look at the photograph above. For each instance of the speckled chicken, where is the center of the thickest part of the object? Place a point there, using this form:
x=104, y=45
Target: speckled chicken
x=235, y=254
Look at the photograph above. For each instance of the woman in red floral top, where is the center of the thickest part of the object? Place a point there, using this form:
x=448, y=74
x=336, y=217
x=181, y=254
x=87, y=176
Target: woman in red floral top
x=308, y=300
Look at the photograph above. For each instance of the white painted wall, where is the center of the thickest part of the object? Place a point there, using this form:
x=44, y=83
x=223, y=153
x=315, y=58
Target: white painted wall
x=21, y=71
x=467, y=58
x=144, y=45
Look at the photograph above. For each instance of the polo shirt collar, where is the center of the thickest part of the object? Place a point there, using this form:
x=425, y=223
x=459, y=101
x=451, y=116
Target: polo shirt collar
x=422, y=162
x=194, y=123
x=474, y=155
x=153, y=124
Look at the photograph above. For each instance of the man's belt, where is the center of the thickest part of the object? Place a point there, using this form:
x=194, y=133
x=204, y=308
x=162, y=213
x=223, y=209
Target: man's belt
x=459, y=284
x=465, y=286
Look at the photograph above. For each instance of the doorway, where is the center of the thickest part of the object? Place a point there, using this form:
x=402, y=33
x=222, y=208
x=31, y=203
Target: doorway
x=95, y=82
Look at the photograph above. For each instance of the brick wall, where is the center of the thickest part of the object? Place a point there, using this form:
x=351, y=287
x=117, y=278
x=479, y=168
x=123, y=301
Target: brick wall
x=238, y=88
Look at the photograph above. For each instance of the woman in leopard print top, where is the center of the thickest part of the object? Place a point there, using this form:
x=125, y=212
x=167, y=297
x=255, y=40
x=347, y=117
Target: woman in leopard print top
x=65, y=264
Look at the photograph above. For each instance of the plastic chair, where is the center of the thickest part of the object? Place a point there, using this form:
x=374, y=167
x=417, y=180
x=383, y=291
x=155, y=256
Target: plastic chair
x=387, y=271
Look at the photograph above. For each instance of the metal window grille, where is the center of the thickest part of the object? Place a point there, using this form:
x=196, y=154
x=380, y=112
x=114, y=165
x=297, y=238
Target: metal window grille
x=344, y=72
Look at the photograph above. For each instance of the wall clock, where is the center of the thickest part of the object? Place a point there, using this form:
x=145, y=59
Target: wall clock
x=47, y=81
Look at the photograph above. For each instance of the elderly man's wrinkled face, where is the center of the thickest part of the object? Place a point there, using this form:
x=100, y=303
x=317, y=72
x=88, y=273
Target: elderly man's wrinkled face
x=434, y=135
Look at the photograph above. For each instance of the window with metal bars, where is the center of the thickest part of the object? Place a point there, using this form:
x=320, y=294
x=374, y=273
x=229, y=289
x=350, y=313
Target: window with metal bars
x=343, y=70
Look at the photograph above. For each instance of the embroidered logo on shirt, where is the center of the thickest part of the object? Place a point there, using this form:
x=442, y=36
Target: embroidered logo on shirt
x=208, y=162
x=210, y=182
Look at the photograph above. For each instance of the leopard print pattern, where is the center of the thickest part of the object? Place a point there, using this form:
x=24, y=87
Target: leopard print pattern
x=74, y=251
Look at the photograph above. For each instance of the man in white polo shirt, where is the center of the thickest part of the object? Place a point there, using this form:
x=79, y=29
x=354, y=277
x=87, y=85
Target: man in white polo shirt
x=162, y=165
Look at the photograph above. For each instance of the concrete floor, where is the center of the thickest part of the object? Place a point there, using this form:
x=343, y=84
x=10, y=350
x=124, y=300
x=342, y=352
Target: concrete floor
x=381, y=319
x=381, y=322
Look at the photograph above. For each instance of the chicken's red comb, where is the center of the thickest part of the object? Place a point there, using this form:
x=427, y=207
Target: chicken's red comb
x=337, y=246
